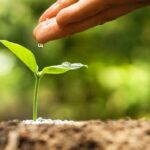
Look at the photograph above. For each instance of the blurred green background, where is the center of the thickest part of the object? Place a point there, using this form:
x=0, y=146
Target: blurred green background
x=116, y=84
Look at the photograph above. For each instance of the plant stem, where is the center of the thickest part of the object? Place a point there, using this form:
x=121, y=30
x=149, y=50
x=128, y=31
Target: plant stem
x=35, y=100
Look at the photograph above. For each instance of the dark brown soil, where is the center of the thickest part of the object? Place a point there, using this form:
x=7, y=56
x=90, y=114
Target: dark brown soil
x=91, y=135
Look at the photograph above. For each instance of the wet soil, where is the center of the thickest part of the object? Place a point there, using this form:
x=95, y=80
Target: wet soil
x=89, y=135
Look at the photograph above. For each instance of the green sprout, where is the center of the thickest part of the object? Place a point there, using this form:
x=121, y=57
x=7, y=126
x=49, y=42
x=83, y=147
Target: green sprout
x=27, y=57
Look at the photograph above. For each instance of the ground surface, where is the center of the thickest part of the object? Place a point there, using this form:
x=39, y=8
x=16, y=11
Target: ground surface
x=91, y=135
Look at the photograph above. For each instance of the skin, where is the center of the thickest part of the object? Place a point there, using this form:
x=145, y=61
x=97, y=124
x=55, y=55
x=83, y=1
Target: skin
x=67, y=17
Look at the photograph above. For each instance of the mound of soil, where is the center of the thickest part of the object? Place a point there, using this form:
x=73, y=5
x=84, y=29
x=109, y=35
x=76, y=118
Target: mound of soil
x=88, y=135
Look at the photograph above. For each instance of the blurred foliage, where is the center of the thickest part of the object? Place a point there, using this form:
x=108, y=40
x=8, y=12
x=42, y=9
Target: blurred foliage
x=117, y=83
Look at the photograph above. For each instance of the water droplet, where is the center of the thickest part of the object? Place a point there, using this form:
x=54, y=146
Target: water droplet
x=40, y=45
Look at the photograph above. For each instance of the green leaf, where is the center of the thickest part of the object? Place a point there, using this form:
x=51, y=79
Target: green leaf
x=25, y=55
x=64, y=67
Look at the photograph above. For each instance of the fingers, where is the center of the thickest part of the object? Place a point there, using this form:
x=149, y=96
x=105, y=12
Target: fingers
x=79, y=11
x=48, y=30
x=51, y=30
x=101, y=18
x=55, y=8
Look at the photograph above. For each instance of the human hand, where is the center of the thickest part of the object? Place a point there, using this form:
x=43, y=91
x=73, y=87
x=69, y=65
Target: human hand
x=67, y=17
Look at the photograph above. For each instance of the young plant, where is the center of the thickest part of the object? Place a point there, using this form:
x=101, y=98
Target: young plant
x=27, y=57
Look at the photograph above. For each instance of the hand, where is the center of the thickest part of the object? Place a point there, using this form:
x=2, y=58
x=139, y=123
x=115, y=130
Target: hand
x=67, y=17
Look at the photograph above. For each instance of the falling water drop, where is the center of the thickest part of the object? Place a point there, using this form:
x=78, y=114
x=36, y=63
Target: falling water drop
x=40, y=45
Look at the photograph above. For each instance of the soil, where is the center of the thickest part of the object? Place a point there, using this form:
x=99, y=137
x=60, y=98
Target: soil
x=89, y=135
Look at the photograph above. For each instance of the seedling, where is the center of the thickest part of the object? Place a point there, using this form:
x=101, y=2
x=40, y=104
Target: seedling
x=27, y=57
